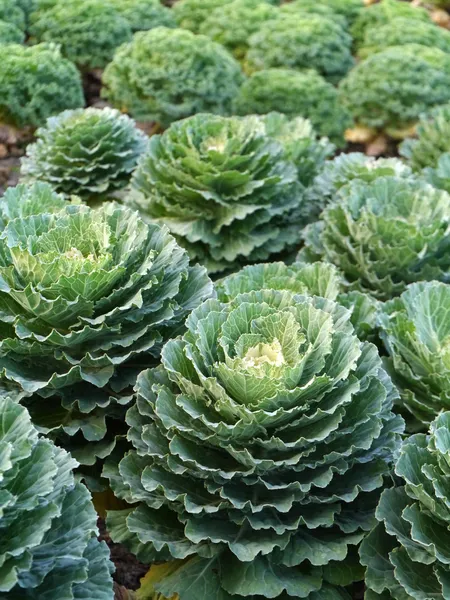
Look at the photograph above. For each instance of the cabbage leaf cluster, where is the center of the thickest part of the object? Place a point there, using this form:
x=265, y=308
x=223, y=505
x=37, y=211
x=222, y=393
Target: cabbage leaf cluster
x=89, y=152
x=260, y=444
x=384, y=234
x=416, y=332
x=407, y=554
x=48, y=525
x=227, y=187
x=429, y=153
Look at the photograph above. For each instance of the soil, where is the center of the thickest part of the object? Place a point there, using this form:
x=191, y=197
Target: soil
x=129, y=571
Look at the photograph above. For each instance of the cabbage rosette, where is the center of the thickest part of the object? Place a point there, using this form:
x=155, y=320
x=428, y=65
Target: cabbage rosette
x=260, y=444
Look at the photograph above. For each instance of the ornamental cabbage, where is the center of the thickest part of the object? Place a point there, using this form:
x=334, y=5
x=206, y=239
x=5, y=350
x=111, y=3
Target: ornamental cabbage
x=86, y=296
x=224, y=187
x=345, y=168
x=416, y=332
x=144, y=14
x=381, y=13
x=429, y=153
x=46, y=82
x=296, y=94
x=10, y=33
x=88, y=31
x=168, y=74
x=407, y=554
x=403, y=31
x=48, y=525
x=260, y=444
x=302, y=42
x=232, y=24
x=89, y=152
x=391, y=89
x=384, y=234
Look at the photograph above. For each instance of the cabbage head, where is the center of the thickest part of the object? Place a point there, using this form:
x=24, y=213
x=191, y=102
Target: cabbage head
x=48, y=525
x=88, y=152
x=408, y=553
x=384, y=234
x=429, y=153
x=416, y=332
x=260, y=444
x=87, y=296
x=345, y=168
x=224, y=187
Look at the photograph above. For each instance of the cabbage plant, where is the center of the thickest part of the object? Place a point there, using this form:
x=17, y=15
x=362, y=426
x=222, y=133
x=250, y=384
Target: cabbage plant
x=90, y=153
x=407, y=554
x=429, y=153
x=225, y=187
x=389, y=90
x=48, y=525
x=168, y=74
x=302, y=42
x=88, y=296
x=384, y=234
x=87, y=31
x=260, y=444
x=45, y=82
x=343, y=169
x=416, y=332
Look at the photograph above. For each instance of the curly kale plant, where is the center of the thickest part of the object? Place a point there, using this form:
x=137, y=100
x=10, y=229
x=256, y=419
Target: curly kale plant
x=387, y=11
x=302, y=42
x=11, y=12
x=48, y=526
x=404, y=31
x=190, y=14
x=345, y=168
x=10, y=33
x=391, y=89
x=35, y=83
x=384, y=234
x=233, y=24
x=168, y=74
x=429, y=153
x=88, y=31
x=407, y=554
x=223, y=186
x=260, y=444
x=144, y=14
x=296, y=94
x=89, y=152
x=87, y=297
x=416, y=331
